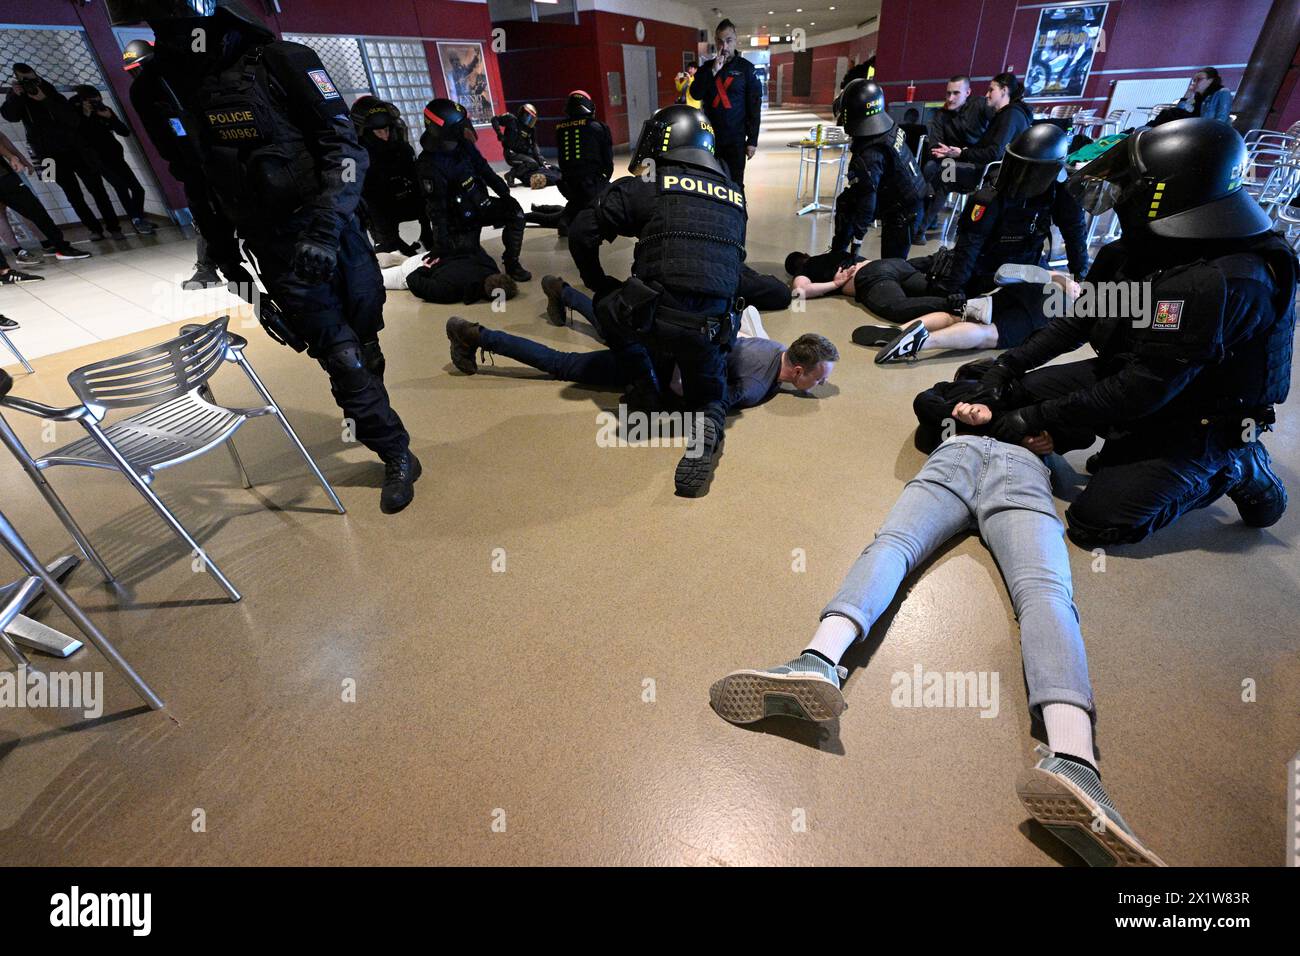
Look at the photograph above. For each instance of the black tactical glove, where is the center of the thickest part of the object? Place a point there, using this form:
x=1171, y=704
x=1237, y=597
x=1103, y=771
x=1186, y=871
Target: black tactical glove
x=314, y=260
x=996, y=382
x=1012, y=426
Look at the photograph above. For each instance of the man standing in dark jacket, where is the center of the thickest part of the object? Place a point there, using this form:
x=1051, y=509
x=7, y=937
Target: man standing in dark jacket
x=53, y=126
x=732, y=95
x=100, y=128
x=883, y=181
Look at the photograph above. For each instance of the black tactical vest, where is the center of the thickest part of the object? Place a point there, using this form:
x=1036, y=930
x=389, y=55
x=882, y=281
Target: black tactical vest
x=1243, y=377
x=694, y=242
x=256, y=161
x=1257, y=373
x=902, y=186
x=579, y=147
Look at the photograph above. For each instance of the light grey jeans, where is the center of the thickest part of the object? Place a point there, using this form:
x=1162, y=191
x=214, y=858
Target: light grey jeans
x=1004, y=492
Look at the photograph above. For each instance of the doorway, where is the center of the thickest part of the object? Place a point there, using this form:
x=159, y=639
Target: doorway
x=642, y=87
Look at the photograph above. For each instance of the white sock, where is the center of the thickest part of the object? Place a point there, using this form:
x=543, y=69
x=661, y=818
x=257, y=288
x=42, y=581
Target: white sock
x=835, y=635
x=1069, y=731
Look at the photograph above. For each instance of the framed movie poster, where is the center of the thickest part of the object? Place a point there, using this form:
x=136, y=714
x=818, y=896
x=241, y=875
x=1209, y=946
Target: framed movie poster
x=1064, y=46
x=465, y=72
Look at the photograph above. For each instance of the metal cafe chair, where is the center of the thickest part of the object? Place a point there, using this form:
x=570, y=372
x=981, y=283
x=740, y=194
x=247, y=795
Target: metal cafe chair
x=180, y=421
x=9, y=344
x=38, y=581
x=949, y=234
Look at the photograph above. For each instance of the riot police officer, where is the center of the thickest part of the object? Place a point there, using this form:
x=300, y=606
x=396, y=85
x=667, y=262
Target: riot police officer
x=517, y=133
x=688, y=218
x=391, y=191
x=1182, y=393
x=261, y=138
x=883, y=180
x=456, y=179
x=1011, y=220
x=586, y=154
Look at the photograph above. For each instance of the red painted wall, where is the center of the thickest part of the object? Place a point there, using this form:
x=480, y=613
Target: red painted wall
x=543, y=62
x=443, y=19
x=825, y=57
x=926, y=43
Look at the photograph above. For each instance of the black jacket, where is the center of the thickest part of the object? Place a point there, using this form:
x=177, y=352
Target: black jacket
x=443, y=176
x=516, y=142
x=52, y=124
x=1010, y=121
x=733, y=101
x=100, y=133
x=961, y=127
x=1218, y=340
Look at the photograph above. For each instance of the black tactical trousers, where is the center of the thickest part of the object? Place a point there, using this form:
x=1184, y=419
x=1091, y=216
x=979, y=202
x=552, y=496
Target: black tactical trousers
x=701, y=357
x=340, y=320
x=509, y=216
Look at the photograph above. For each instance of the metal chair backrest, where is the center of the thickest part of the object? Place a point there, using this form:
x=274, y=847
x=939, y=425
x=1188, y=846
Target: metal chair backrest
x=155, y=374
x=1281, y=186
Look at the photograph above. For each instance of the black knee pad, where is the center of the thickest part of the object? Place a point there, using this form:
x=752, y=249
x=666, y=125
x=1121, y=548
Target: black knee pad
x=346, y=368
x=373, y=358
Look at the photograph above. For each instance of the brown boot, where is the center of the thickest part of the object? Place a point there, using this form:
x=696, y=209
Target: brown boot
x=464, y=338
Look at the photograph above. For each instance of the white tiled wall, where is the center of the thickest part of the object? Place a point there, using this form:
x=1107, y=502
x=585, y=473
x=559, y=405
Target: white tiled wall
x=63, y=57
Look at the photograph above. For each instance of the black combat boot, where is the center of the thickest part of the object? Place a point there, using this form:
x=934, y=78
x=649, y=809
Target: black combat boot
x=702, y=452
x=1259, y=494
x=400, y=475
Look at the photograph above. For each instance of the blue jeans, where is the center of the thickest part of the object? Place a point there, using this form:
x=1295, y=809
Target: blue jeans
x=587, y=368
x=1004, y=491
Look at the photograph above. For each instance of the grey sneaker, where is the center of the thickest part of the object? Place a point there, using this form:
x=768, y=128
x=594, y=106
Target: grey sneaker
x=806, y=687
x=1068, y=799
x=906, y=346
x=1012, y=274
x=25, y=257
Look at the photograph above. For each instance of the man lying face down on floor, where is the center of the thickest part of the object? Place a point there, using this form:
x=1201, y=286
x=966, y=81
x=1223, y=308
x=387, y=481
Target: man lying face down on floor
x=1001, y=491
x=757, y=367
x=462, y=277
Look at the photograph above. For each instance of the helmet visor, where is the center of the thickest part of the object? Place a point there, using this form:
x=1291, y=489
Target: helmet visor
x=653, y=134
x=1110, y=179
x=124, y=12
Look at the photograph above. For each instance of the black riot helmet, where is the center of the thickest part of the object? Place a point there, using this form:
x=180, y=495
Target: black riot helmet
x=527, y=116
x=679, y=134
x=370, y=113
x=1033, y=161
x=1180, y=180
x=445, y=123
x=578, y=105
x=136, y=54
x=860, y=109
